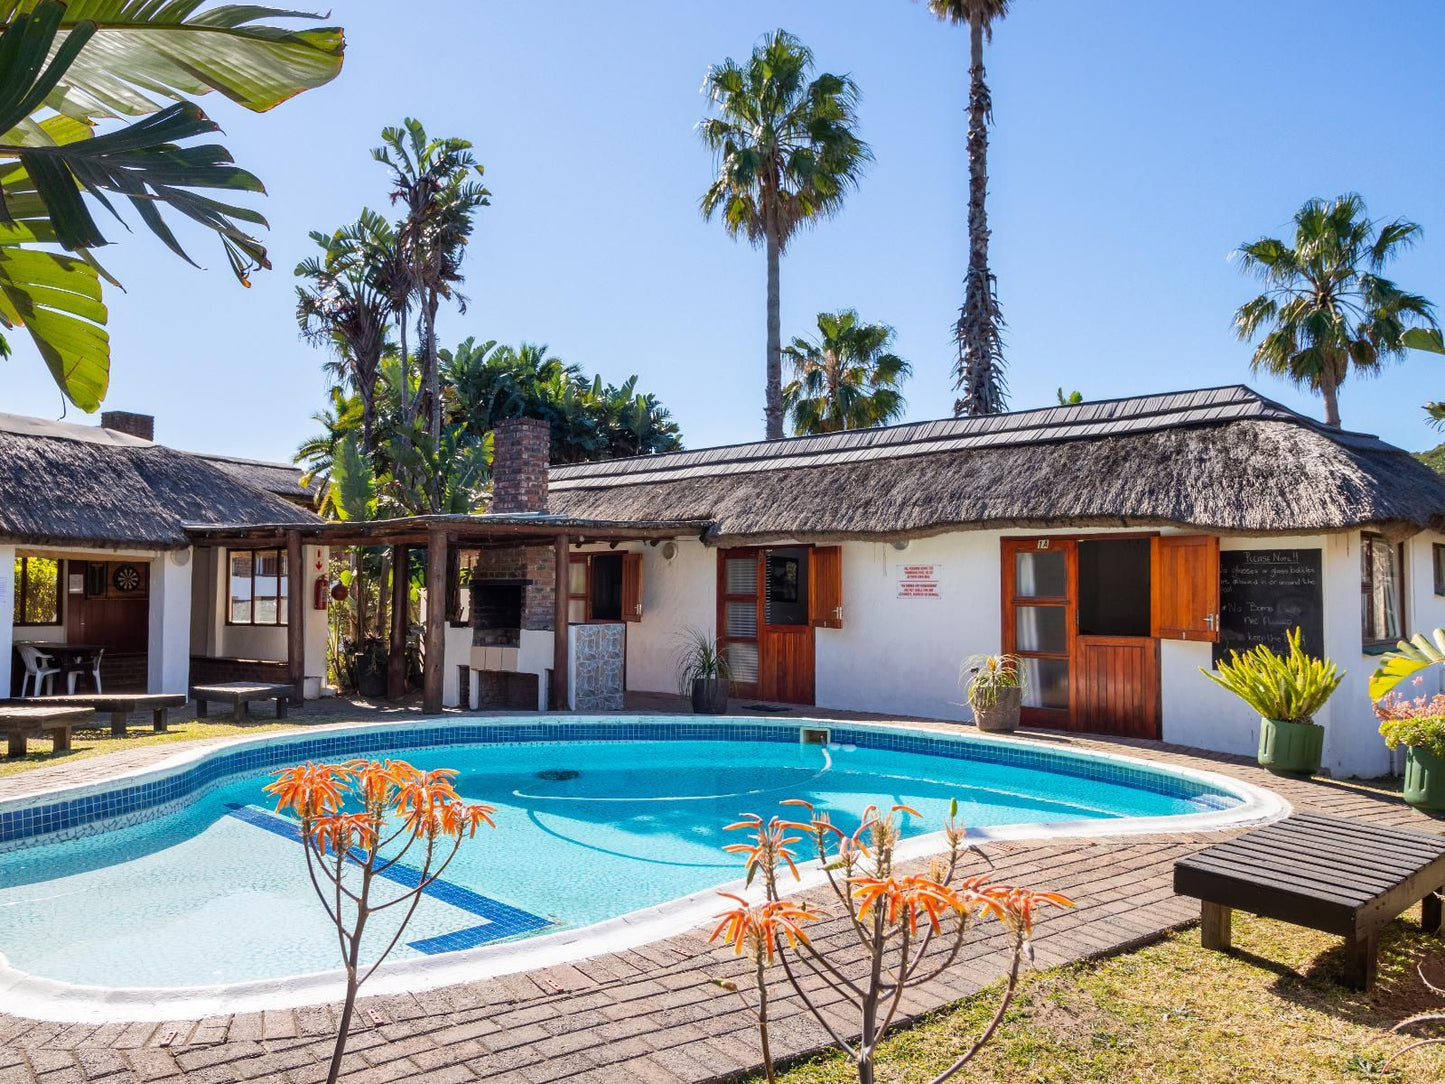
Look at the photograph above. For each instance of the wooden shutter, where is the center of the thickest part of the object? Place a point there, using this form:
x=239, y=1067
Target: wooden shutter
x=632, y=587
x=825, y=587
x=1184, y=577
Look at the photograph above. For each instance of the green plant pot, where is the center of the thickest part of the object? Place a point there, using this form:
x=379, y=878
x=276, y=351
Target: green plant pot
x=1424, y=780
x=1290, y=748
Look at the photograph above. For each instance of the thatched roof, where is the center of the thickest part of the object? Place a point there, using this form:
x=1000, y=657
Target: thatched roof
x=1226, y=459
x=77, y=484
x=282, y=479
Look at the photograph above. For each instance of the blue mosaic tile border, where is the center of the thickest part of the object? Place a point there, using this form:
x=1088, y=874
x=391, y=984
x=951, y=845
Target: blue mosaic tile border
x=26, y=822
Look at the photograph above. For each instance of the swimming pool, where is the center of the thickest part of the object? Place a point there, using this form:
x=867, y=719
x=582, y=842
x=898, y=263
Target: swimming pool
x=184, y=877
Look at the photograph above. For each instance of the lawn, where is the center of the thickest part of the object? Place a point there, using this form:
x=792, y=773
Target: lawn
x=1174, y=1012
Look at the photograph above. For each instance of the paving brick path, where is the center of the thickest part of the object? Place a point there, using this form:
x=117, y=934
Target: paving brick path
x=650, y=1015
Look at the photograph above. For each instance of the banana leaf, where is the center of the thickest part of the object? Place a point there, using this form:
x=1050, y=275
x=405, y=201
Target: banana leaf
x=1408, y=659
x=57, y=300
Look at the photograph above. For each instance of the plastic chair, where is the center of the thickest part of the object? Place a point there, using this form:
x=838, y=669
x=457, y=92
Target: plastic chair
x=40, y=668
x=94, y=673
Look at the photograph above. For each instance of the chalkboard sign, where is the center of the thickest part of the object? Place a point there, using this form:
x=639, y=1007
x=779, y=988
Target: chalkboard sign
x=1264, y=594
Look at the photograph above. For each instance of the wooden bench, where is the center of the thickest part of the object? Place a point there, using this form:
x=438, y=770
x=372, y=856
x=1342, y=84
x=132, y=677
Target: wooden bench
x=1338, y=876
x=122, y=705
x=18, y=721
x=239, y=694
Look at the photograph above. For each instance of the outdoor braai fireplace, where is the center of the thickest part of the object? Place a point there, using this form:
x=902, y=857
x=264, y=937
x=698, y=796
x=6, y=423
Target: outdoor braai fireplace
x=497, y=612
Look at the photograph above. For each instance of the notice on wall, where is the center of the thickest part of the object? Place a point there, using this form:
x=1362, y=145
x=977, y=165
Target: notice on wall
x=1266, y=594
x=918, y=581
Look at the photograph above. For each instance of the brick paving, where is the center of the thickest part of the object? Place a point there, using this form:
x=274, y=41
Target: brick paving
x=648, y=1015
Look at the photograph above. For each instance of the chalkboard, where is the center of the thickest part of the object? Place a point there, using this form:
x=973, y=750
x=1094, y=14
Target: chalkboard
x=1264, y=594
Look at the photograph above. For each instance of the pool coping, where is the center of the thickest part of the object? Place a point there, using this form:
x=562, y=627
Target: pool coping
x=48, y=999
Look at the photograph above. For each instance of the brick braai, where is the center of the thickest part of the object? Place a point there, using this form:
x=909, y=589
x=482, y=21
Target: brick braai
x=514, y=563
x=521, y=451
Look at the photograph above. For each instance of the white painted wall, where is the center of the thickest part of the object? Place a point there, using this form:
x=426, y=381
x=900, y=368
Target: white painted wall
x=169, y=651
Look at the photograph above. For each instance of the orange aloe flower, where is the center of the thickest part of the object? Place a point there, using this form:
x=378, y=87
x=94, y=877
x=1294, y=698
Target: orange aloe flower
x=905, y=899
x=338, y=833
x=421, y=793
x=310, y=789
x=757, y=927
x=818, y=824
x=459, y=819
x=1019, y=905
x=769, y=847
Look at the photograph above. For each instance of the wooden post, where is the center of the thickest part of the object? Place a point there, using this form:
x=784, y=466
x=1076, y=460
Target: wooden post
x=557, y=698
x=1431, y=915
x=436, y=619
x=1361, y=962
x=400, y=618
x=297, y=577
x=1215, y=926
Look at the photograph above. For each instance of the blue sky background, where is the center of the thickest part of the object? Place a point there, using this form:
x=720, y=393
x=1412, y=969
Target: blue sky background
x=1136, y=144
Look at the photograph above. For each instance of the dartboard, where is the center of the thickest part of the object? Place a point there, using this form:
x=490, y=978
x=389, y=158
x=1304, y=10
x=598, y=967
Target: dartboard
x=126, y=578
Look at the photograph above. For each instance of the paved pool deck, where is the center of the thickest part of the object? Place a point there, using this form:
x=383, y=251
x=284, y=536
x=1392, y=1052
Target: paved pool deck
x=648, y=1015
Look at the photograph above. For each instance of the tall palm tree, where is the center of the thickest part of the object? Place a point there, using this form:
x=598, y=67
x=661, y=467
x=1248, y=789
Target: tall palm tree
x=846, y=378
x=786, y=154
x=979, y=371
x=1326, y=306
x=432, y=180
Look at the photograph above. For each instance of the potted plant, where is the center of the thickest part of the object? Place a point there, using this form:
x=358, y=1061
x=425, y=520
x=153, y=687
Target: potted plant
x=995, y=689
x=703, y=673
x=1419, y=725
x=1286, y=690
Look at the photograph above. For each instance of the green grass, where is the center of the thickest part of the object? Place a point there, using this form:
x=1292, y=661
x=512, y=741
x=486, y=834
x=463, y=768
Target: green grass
x=1172, y=1012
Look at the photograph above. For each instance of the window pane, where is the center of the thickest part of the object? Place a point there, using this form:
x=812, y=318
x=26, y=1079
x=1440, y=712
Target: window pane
x=1046, y=683
x=282, y=607
x=1042, y=628
x=1381, y=596
x=41, y=589
x=743, y=662
x=577, y=577
x=742, y=576
x=576, y=611
x=742, y=620
x=1042, y=574
x=241, y=566
x=265, y=611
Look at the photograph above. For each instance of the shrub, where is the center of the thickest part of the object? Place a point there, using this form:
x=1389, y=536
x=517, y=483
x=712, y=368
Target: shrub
x=1287, y=688
x=1418, y=723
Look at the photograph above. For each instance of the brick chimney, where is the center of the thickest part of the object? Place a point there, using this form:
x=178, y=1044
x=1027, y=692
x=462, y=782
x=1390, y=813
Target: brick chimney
x=521, y=450
x=123, y=421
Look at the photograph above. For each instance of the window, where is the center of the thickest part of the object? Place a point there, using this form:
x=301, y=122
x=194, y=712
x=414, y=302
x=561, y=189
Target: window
x=258, y=588
x=1381, y=590
x=37, y=591
x=1439, y=555
x=598, y=588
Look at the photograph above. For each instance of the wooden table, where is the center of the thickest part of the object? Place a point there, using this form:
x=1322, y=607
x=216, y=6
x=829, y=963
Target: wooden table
x=18, y=720
x=122, y=705
x=69, y=658
x=1326, y=873
x=239, y=694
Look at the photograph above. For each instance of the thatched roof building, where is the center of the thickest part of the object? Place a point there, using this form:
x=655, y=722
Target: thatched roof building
x=1224, y=459
x=66, y=484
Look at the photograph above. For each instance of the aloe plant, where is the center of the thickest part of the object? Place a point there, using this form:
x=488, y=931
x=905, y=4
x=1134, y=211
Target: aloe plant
x=1409, y=658
x=1288, y=688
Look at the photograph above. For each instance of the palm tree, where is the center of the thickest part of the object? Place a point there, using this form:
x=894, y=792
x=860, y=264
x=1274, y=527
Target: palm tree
x=1326, y=307
x=978, y=372
x=786, y=154
x=846, y=378
x=345, y=303
x=432, y=180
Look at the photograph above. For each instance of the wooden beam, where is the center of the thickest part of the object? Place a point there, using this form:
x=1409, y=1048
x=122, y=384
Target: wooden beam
x=400, y=618
x=297, y=577
x=557, y=698
x=436, y=620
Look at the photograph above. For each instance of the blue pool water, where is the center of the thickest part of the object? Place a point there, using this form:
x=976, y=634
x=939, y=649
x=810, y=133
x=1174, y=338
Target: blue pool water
x=586, y=830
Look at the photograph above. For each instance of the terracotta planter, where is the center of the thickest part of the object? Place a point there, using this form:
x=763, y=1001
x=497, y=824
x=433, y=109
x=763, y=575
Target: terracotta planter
x=1424, y=780
x=710, y=696
x=1290, y=748
x=1002, y=716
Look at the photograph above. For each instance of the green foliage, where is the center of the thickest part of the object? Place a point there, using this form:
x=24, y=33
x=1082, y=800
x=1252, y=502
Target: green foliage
x=1326, y=309
x=699, y=658
x=1286, y=688
x=1417, y=732
x=846, y=378
x=985, y=675
x=63, y=67
x=1434, y=458
x=1408, y=659
x=1072, y=399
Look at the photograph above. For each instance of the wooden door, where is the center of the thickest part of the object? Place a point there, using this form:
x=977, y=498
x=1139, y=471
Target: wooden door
x=1117, y=686
x=1185, y=585
x=1039, y=602
x=767, y=634
x=738, y=618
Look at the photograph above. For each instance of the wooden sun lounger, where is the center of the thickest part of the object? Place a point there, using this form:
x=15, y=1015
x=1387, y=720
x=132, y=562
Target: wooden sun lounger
x=18, y=721
x=122, y=705
x=239, y=694
x=1338, y=876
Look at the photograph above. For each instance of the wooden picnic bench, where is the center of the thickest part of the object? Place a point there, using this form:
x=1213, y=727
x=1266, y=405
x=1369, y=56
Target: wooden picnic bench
x=1338, y=876
x=239, y=694
x=19, y=721
x=122, y=705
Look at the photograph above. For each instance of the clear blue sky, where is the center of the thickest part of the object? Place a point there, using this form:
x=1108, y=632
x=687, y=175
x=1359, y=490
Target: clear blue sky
x=1136, y=144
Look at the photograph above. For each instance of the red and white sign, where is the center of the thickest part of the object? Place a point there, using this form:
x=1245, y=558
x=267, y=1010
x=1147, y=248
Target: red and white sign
x=918, y=581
